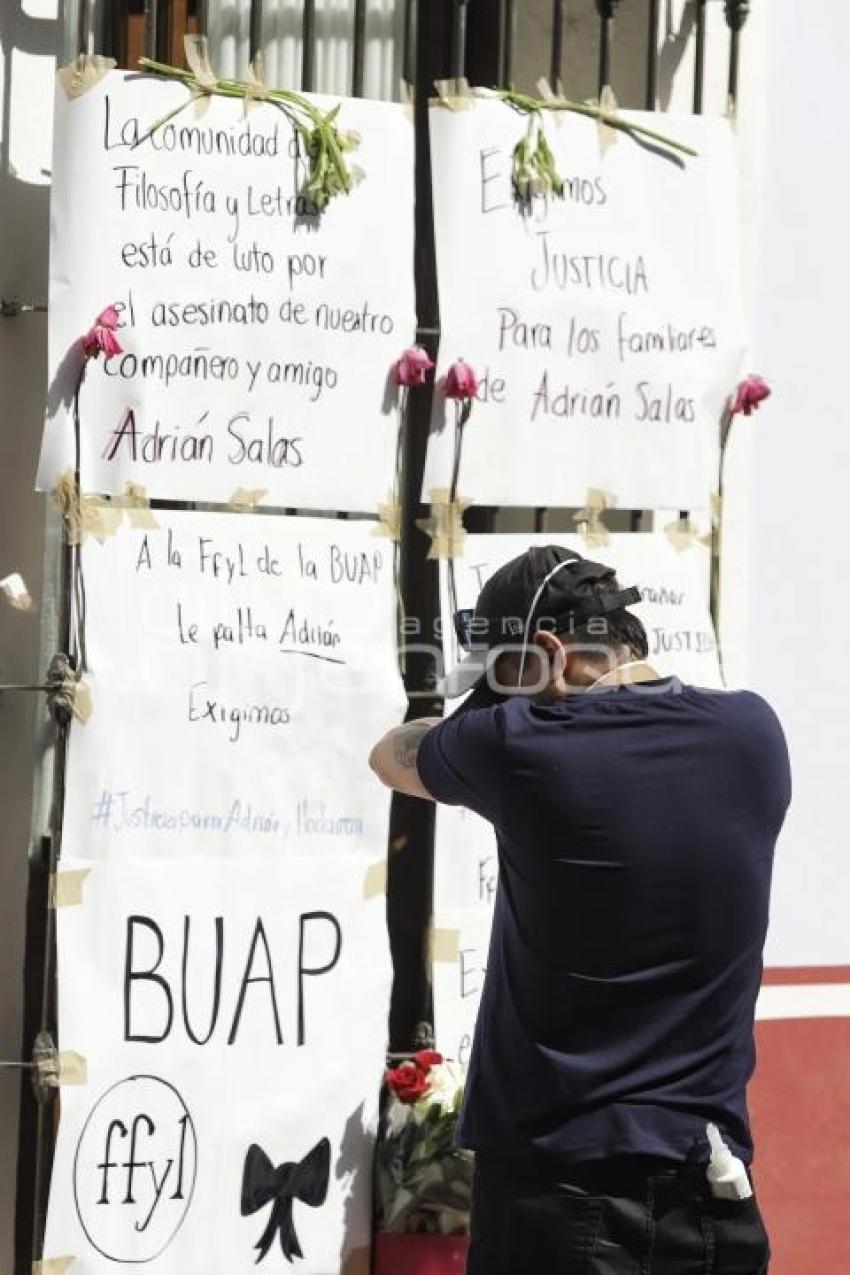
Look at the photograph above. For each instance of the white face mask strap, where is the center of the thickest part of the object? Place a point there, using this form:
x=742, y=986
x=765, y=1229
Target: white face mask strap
x=567, y=562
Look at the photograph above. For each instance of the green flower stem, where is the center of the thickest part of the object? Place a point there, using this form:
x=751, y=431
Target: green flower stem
x=329, y=172
x=523, y=102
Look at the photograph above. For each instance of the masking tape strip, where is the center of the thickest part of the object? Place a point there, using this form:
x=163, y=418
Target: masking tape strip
x=445, y=945
x=592, y=528
x=246, y=498
x=52, y=1265
x=86, y=70
x=134, y=499
x=83, y=515
x=608, y=106
x=83, y=705
x=455, y=94
x=389, y=519
x=73, y=1068
x=375, y=880
x=683, y=533
x=445, y=524
x=407, y=98
x=66, y=888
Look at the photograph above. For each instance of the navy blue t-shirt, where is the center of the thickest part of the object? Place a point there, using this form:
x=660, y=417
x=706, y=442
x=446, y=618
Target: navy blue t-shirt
x=636, y=829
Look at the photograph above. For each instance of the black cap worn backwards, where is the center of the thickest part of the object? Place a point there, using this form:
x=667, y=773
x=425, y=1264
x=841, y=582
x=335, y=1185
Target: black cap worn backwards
x=542, y=588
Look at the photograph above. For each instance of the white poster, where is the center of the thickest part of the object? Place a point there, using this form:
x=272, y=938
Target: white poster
x=606, y=327
x=232, y=1019
x=674, y=611
x=256, y=336
x=241, y=667
x=460, y=963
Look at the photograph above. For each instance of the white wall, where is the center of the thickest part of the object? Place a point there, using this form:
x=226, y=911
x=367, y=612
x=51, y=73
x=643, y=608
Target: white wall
x=800, y=549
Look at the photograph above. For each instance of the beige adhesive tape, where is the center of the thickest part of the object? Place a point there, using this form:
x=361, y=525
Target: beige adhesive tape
x=84, y=515
x=683, y=533
x=138, y=508
x=52, y=1265
x=66, y=888
x=389, y=519
x=73, y=1069
x=247, y=497
x=445, y=945
x=444, y=526
x=83, y=73
x=16, y=591
x=608, y=107
x=407, y=98
x=375, y=880
x=83, y=705
x=591, y=526
x=454, y=94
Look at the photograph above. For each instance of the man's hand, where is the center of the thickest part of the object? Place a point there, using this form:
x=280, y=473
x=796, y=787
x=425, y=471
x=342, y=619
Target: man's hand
x=393, y=758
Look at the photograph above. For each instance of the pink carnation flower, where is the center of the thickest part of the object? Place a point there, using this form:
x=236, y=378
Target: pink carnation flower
x=101, y=338
x=752, y=391
x=413, y=366
x=461, y=381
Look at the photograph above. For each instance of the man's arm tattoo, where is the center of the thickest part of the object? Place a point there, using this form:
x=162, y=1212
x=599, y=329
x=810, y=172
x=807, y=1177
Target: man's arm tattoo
x=406, y=741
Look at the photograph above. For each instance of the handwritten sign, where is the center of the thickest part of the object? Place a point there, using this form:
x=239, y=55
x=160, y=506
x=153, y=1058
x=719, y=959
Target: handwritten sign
x=232, y=1017
x=257, y=336
x=459, y=982
x=606, y=327
x=241, y=667
x=674, y=611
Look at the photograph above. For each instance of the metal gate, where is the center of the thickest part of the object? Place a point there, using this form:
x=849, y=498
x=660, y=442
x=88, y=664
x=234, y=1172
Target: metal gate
x=440, y=39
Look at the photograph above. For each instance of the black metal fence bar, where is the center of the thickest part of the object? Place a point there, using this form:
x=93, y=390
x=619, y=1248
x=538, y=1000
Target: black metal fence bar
x=308, y=39
x=409, y=50
x=652, y=56
x=458, y=52
x=606, y=10
x=150, y=27
x=358, y=49
x=255, y=30
x=557, y=60
x=737, y=12
x=699, y=57
x=508, y=29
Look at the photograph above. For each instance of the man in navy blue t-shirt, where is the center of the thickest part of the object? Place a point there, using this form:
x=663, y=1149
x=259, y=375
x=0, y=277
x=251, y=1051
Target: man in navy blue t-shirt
x=636, y=818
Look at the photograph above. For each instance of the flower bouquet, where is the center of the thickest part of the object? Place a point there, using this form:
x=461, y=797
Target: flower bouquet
x=423, y=1181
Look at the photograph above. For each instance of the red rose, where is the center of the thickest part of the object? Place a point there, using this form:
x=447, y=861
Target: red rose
x=427, y=1058
x=408, y=1082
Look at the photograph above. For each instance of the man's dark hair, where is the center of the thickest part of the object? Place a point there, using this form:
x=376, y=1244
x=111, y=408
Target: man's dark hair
x=613, y=629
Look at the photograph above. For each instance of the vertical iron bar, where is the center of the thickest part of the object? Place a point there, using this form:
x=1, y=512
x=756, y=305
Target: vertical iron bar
x=150, y=28
x=410, y=27
x=83, y=26
x=737, y=12
x=458, y=60
x=358, y=54
x=606, y=10
x=308, y=52
x=652, y=56
x=508, y=46
x=255, y=29
x=557, y=44
x=699, y=57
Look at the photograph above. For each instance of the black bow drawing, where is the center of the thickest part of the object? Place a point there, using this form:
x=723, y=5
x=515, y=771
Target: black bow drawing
x=262, y=1182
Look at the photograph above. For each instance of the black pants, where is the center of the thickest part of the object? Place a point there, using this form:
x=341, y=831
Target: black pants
x=630, y=1216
